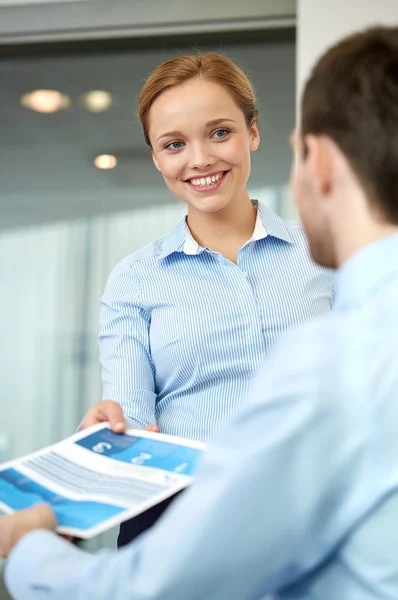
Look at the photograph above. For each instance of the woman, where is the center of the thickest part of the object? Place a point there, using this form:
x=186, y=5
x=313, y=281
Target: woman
x=186, y=321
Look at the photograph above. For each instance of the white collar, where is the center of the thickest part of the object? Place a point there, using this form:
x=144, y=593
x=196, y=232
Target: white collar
x=191, y=246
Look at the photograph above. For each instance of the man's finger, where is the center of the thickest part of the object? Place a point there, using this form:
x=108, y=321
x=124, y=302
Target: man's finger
x=41, y=513
x=15, y=526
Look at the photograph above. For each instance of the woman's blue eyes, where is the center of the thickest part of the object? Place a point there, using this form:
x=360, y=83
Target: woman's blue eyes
x=219, y=135
x=174, y=145
x=223, y=131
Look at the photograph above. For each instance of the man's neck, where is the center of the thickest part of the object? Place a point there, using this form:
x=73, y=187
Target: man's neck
x=363, y=233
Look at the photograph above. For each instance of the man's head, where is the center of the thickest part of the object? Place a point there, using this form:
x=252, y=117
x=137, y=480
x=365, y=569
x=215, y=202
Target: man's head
x=345, y=177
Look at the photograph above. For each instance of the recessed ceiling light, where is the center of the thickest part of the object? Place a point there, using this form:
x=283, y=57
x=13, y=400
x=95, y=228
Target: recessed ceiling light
x=105, y=161
x=45, y=101
x=97, y=100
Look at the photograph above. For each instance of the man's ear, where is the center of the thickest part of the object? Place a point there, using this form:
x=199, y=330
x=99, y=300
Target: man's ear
x=318, y=158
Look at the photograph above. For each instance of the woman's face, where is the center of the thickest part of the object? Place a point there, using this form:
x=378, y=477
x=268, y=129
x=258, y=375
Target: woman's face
x=201, y=144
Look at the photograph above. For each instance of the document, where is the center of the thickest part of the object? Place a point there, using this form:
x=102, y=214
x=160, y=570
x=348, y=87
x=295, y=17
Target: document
x=96, y=479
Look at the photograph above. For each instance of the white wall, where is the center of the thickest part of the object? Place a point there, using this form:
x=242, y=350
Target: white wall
x=320, y=23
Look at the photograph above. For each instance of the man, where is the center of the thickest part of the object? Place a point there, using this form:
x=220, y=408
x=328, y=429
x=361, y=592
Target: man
x=298, y=495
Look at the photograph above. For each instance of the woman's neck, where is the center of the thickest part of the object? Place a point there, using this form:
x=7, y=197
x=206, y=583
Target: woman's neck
x=224, y=231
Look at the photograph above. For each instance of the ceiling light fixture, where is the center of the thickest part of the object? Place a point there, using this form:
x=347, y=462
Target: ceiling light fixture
x=105, y=161
x=97, y=101
x=45, y=101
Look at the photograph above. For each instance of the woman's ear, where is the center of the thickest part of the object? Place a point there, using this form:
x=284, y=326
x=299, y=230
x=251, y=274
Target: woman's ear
x=254, y=135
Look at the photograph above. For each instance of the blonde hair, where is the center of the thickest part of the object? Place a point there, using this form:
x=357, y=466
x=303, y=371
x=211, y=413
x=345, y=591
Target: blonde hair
x=210, y=66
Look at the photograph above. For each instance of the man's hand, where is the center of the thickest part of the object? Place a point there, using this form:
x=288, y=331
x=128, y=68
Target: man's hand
x=15, y=526
x=109, y=410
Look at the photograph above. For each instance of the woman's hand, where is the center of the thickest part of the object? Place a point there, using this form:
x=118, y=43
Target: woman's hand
x=109, y=410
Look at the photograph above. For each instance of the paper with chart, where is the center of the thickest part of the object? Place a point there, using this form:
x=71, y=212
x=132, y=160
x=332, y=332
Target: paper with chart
x=96, y=479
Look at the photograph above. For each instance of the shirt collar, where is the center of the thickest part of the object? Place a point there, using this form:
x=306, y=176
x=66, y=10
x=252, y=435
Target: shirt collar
x=267, y=224
x=175, y=241
x=365, y=272
x=272, y=224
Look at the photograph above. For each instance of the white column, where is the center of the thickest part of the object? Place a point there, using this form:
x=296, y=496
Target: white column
x=321, y=23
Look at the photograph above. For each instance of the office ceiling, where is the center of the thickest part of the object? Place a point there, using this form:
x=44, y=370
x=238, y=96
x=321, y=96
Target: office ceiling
x=46, y=160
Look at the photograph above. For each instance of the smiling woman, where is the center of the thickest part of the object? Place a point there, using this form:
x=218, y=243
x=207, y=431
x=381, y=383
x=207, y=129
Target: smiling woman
x=205, y=160
x=187, y=320
x=202, y=127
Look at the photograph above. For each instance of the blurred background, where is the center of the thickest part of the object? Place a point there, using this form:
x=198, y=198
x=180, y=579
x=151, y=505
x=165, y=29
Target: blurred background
x=78, y=190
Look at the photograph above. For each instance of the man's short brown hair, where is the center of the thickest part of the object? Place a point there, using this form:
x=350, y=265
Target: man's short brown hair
x=352, y=97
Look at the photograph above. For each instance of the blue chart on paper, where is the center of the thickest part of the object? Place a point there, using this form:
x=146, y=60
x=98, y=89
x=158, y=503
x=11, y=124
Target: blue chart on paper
x=19, y=491
x=143, y=451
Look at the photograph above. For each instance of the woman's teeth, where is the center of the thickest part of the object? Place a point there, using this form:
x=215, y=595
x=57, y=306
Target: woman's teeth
x=206, y=180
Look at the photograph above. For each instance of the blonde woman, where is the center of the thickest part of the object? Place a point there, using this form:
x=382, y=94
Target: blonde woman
x=187, y=320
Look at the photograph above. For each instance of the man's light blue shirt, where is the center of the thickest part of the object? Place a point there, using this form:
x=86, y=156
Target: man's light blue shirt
x=298, y=494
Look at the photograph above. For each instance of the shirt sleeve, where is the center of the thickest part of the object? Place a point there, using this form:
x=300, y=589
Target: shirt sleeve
x=126, y=364
x=279, y=489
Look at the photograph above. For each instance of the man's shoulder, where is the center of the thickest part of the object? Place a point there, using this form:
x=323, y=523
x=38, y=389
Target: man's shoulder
x=314, y=345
